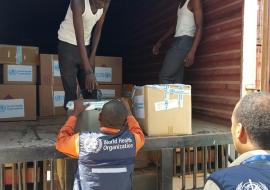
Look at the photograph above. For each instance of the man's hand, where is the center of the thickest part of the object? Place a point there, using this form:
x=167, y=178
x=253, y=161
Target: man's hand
x=126, y=104
x=189, y=60
x=90, y=82
x=79, y=107
x=156, y=48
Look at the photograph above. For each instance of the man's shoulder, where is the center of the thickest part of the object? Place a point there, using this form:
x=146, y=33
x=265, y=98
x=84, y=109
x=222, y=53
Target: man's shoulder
x=224, y=172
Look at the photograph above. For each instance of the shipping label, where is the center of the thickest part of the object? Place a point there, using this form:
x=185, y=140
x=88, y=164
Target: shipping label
x=58, y=98
x=103, y=74
x=139, y=107
x=56, y=69
x=107, y=93
x=21, y=73
x=167, y=105
x=11, y=108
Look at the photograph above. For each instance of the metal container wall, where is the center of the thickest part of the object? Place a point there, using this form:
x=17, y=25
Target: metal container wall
x=216, y=74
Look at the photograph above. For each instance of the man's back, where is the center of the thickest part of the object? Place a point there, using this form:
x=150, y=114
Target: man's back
x=254, y=175
x=106, y=161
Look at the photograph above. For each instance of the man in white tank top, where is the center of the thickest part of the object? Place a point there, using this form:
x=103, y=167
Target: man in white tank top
x=187, y=32
x=76, y=59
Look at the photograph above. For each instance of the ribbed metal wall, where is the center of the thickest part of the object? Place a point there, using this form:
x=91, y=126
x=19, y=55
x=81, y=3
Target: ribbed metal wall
x=216, y=74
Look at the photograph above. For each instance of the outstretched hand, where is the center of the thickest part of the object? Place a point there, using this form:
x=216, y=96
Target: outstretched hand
x=126, y=104
x=79, y=107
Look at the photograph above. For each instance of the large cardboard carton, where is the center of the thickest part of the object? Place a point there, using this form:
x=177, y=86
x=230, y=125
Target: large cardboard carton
x=18, y=74
x=108, y=70
x=89, y=119
x=19, y=55
x=49, y=70
x=110, y=91
x=17, y=102
x=51, y=101
x=163, y=110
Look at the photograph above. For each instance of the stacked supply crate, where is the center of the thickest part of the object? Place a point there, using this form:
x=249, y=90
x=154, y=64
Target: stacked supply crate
x=51, y=91
x=108, y=72
x=18, y=67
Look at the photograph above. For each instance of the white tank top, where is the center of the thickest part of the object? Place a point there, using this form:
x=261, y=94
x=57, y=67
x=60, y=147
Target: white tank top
x=66, y=32
x=185, y=22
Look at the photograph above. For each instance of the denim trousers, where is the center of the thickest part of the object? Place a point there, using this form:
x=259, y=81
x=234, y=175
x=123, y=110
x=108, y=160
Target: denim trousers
x=173, y=66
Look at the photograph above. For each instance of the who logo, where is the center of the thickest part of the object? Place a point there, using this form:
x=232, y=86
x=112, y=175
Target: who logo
x=12, y=72
x=59, y=98
x=3, y=108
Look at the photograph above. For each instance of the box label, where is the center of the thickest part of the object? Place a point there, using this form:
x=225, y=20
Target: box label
x=56, y=69
x=11, y=108
x=58, y=98
x=103, y=74
x=167, y=105
x=139, y=107
x=107, y=93
x=22, y=73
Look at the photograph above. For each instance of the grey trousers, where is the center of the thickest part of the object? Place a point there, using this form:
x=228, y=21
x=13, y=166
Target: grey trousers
x=173, y=66
x=71, y=69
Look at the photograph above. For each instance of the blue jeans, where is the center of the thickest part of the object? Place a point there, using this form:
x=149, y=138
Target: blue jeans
x=173, y=66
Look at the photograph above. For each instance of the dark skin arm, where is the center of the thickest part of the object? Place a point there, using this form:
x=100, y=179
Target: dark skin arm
x=77, y=7
x=165, y=37
x=196, y=8
x=97, y=32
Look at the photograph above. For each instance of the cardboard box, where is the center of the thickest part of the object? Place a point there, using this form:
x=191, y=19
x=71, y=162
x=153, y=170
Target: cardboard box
x=51, y=101
x=163, y=110
x=127, y=90
x=18, y=74
x=17, y=102
x=108, y=70
x=88, y=120
x=19, y=55
x=110, y=91
x=49, y=70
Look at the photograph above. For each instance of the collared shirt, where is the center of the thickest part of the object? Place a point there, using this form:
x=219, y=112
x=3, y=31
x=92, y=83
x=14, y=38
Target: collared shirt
x=210, y=185
x=67, y=141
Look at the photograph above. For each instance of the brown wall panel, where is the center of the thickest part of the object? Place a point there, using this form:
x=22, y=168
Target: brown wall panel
x=215, y=76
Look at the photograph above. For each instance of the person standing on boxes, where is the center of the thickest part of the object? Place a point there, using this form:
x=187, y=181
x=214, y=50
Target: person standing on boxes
x=251, y=137
x=106, y=159
x=76, y=58
x=187, y=32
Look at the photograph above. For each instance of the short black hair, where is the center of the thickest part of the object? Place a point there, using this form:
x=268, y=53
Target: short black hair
x=114, y=114
x=253, y=112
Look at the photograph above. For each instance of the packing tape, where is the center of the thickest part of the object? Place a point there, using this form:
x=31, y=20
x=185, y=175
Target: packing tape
x=19, y=55
x=178, y=89
x=98, y=105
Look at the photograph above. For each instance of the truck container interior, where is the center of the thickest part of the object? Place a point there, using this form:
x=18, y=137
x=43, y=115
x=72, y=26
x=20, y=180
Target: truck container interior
x=131, y=29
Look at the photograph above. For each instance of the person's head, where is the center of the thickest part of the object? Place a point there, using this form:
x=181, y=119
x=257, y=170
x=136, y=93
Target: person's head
x=251, y=123
x=113, y=115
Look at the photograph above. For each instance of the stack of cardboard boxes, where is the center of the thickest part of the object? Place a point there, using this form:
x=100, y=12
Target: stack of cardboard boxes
x=109, y=76
x=51, y=91
x=18, y=67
